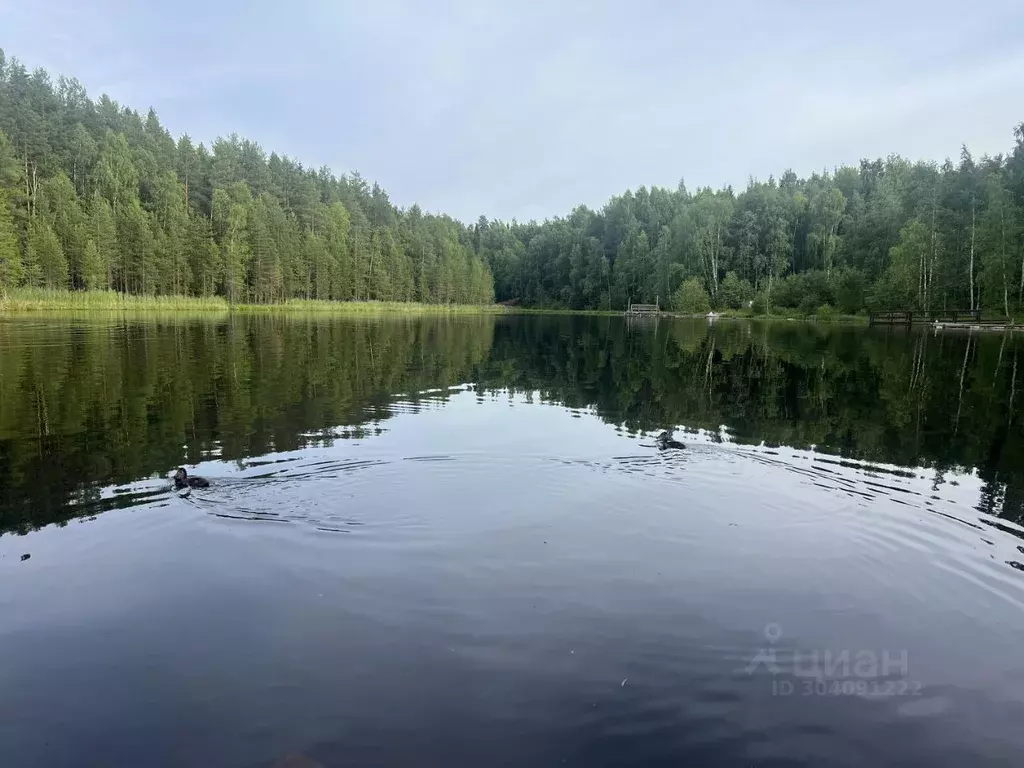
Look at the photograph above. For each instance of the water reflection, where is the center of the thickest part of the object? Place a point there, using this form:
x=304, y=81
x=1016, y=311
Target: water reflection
x=448, y=540
x=84, y=405
x=87, y=405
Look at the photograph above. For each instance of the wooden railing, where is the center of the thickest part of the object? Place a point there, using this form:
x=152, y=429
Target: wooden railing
x=909, y=317
x=642, y=309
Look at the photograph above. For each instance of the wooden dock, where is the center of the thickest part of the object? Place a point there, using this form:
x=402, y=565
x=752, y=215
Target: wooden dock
x=644, y=309
x=947, y=320
x=987, y=325
x=912, y=317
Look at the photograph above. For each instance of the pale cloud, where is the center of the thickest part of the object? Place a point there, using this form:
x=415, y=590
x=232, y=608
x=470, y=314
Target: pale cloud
x=527, y=109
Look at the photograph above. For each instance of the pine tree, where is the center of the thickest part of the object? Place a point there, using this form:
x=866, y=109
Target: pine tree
x=94, y=271
x=103, y=233
x=58, y=203
x=203, y=257
x=10, y=255
x=46, y=264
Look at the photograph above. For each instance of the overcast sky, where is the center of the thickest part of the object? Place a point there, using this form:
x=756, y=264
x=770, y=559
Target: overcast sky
x=526, y=109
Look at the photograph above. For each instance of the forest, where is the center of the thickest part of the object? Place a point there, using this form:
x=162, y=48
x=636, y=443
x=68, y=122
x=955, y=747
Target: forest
x=887, y=234
x=94, y=196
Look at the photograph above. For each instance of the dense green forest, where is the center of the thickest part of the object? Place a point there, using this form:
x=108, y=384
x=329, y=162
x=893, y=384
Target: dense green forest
x=886, y=234
x=95, y=196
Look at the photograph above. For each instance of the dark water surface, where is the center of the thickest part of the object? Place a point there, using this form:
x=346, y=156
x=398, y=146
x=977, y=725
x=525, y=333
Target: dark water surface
x=455, y=542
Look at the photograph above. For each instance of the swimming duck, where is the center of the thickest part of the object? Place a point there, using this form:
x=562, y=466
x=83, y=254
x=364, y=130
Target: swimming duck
x=666, y=442
x=182, y=480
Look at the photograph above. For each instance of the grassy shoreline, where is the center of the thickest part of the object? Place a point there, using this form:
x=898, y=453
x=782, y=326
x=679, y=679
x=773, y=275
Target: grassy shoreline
x=33, y=300
x=725, y=314
x=795, y=316
x=25, y=301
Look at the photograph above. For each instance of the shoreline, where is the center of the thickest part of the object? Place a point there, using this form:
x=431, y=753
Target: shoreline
x=22, y=302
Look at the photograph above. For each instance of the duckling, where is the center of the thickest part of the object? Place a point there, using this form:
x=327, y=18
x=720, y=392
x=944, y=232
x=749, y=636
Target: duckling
x=182, y=480
x=665, y=441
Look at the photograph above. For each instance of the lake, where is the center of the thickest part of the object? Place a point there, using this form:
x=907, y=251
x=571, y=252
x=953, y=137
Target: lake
x=458, y=541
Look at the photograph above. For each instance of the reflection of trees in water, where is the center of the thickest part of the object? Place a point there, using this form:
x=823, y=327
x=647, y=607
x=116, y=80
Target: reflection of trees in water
x=916, y=399
x=84, y=406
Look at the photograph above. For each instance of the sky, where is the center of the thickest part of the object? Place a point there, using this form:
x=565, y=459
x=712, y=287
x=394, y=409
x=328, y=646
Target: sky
x=527, y=109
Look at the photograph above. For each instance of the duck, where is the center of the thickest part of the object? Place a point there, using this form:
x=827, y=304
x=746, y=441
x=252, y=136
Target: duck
x=666, y=442
x=182, y=480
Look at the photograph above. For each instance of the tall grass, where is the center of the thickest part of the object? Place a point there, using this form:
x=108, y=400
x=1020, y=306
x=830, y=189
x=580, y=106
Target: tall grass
x=369, y=307
x=22, y=300
x=43, y=300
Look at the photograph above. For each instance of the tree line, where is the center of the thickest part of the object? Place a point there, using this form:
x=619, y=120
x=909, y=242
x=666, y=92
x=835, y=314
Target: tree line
x=884, y=234
x=94, y=196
